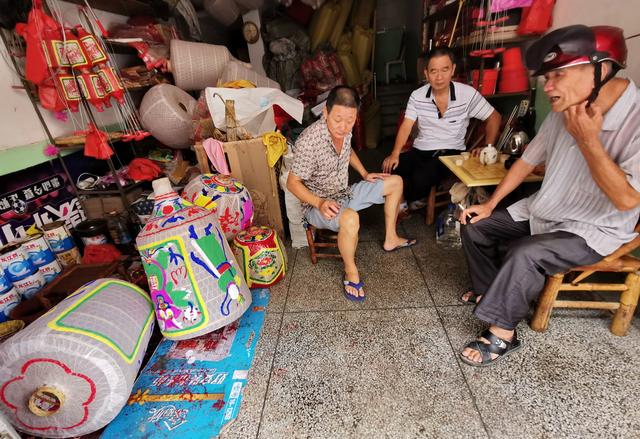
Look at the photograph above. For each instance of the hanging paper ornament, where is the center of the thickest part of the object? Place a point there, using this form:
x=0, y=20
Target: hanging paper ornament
x=112, y=84
x=69, y=89
x=49, y=97
x=261, y=255
x=96, y=144
x=37, y=32
x=93, y=90
x=75, y=53
x=226, y=196
x=91, y=48
x=194, y=279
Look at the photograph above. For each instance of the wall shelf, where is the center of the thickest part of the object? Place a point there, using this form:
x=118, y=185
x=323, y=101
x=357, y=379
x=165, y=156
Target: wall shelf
x=78, y=140
x=447, y=11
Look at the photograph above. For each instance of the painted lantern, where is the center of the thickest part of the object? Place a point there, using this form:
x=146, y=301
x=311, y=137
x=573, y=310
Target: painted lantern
x=71, y=371
x=193, y=276
x=262, y=256
x=226, y=197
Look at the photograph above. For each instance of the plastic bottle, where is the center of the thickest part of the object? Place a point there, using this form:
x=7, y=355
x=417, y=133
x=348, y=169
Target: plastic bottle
x=118, y=229
x=448, y=229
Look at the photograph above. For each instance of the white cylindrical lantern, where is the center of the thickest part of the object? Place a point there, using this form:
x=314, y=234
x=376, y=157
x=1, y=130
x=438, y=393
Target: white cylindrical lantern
x=71, y=371
x=194, y=279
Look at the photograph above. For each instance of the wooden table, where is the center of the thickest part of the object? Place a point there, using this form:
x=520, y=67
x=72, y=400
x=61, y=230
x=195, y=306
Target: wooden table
x=473, y=173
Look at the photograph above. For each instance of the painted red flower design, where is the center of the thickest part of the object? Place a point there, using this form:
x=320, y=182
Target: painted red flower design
x=12, y=395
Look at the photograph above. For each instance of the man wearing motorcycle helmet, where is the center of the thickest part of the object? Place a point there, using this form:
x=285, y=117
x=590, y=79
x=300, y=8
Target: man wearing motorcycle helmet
x=589, y=201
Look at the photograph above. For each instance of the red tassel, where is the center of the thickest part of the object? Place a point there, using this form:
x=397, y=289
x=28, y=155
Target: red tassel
x=96, y=144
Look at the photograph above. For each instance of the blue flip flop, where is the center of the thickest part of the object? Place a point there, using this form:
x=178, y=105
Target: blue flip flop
x=409, y=243
x=356, y=286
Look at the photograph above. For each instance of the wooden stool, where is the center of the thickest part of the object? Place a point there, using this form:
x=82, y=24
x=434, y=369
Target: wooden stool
x=319, y=240
x=618, y=262
x=435, y=200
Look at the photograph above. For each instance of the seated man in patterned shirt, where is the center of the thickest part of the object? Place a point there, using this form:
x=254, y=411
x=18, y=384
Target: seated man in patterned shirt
x=319, y=178
x=589, y=201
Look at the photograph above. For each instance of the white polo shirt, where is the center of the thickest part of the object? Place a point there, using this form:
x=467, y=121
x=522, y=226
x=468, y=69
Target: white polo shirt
x=445, y=131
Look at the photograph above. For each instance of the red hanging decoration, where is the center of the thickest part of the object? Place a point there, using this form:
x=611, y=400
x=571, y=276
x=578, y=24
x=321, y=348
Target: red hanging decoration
x=70, y=91
x=112, y=85
x=49, y=97
x=93, y=90
x=39, y=25
x=91, y=48
x=96, y=144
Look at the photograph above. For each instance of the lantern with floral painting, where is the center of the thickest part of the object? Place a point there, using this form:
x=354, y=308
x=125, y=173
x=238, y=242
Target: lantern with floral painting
x=227, y=197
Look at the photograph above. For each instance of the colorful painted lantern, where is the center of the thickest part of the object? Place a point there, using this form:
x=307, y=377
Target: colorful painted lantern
x=262, y=256
x=193, y=276
x=226, y=197
x=71, y=371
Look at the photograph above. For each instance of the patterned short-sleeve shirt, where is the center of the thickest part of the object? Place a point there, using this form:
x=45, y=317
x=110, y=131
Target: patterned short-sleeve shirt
x=322, y=170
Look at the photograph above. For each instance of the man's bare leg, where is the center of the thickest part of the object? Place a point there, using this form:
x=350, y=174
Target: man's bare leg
x=392, y=191
x=347, y=243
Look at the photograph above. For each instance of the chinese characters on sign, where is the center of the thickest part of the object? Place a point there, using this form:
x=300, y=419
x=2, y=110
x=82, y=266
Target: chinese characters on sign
x=41, y=202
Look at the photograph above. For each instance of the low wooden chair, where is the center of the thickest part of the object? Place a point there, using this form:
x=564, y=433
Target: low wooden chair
x=436, y=199
x=322, y=243
x=620, y=261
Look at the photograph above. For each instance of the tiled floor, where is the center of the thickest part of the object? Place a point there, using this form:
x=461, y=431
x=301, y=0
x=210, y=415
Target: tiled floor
x=389, y=368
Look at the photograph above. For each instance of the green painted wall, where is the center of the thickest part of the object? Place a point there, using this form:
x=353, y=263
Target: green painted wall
x=22, y=157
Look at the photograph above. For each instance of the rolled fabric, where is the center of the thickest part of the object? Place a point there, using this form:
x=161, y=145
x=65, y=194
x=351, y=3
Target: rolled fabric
x=236, y=70
x=165, y=112
x=225, y=12
x=71, y=371
x=197, y=65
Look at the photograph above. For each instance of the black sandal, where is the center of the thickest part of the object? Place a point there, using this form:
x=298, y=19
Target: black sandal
x=496, y=346
x=472, y=300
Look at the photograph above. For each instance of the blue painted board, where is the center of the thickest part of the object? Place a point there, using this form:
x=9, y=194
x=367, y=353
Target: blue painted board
x=193, y=388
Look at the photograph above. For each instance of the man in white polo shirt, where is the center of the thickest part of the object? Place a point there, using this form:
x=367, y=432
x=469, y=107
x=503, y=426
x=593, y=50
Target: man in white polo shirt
x=443, y=109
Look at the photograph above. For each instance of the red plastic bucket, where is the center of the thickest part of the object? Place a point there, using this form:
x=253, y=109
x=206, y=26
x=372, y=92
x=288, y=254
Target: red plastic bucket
x=512, y=81
x=489, y=79
x=512, y=59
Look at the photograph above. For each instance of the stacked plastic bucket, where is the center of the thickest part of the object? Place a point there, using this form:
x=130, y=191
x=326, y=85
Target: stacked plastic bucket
x=514, y=76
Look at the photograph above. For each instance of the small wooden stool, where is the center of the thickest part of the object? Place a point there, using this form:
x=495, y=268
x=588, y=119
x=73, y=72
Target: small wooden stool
x=319, y=240
x=620, y=261
x=435, y=200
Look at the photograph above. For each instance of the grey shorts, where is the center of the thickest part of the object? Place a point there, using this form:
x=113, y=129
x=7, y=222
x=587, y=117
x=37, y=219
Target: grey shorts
x=364, y=195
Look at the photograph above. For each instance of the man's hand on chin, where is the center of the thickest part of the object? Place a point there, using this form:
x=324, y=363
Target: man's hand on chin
x=584, y=123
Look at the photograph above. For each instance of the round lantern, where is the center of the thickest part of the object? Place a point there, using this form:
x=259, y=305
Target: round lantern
x=194, y=279
x=261, y=256
x=226, y=196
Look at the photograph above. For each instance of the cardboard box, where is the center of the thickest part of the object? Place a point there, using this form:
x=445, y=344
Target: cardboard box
x=97, y=206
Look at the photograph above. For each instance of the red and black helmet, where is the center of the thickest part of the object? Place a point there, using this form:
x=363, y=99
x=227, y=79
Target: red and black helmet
x=577, y=44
